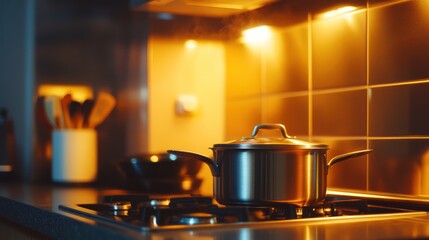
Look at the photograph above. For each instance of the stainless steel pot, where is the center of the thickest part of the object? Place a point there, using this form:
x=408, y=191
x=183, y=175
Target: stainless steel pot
x=264, y=171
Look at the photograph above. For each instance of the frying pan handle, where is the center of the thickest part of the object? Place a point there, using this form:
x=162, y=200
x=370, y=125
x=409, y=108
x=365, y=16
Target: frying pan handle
x=270, y=126
x=346, y=156
x=214, y=167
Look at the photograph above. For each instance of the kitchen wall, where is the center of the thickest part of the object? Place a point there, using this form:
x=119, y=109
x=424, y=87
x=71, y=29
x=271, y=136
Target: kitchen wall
x=353, y=81
x=177, y=69
x=105, y=45
x=82, y=44
x=146, y=66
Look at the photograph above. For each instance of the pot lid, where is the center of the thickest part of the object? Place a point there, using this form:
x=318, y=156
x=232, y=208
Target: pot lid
x=284, y=142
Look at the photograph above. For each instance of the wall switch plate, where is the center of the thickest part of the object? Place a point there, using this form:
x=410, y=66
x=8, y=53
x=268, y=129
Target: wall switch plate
x=186, y=104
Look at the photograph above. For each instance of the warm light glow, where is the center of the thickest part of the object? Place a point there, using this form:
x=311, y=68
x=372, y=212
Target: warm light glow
x=186, y=184
x=79, y=93
x=190, y=44
x=338, y=11
x=154, y=158
x=256, y=35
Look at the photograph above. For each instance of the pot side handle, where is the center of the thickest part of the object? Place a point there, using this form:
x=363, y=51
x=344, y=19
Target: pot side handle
x=214, y=167
x=346, y=156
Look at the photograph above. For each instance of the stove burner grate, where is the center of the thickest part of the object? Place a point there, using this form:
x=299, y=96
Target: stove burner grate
x=145, y=212
x=201, y=210
x=203, y=215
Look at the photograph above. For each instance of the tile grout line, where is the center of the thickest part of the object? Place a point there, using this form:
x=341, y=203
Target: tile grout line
x=368, y=96
x=310, y=77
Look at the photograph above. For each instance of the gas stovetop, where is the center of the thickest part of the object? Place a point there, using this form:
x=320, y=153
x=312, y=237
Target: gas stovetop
x=154, y=213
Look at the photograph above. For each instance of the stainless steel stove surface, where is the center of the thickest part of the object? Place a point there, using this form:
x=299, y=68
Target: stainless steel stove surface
x=146, y=213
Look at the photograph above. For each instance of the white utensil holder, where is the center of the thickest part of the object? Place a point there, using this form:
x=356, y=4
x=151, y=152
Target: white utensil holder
x=74, y=155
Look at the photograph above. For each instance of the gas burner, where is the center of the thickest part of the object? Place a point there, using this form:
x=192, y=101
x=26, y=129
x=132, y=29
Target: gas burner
x=159, y=202
x=310, y=212
x=197, y=218
x=133, y=199
x=285, y=211
x=119, y=206
x=327, y=209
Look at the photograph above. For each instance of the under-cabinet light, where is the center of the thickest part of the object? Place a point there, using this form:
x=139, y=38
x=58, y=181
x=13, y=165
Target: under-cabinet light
x=338, y=11
x=190, y=44
x=80, y=93
x=256, y=35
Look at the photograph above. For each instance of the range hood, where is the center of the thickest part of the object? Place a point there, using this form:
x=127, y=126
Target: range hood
x=205, y=8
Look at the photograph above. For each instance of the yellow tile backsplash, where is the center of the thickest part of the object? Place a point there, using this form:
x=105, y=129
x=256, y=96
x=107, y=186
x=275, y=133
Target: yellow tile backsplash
x=354, y=81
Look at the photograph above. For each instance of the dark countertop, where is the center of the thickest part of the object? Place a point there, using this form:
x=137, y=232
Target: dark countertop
x=36, y=207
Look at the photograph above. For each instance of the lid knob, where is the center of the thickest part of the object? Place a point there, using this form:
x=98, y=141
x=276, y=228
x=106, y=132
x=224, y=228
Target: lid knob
x=270, y=126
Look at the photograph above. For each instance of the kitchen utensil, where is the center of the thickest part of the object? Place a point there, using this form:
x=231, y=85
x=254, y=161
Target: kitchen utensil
x=65, y=102
x=49, y=107
x=103, y=105
x=261, y=171
x=87, y=106
x=162, y=165
x=75, y=110
x=176, y=185
x=161, y=173
x=59, y=116
x=54, y=111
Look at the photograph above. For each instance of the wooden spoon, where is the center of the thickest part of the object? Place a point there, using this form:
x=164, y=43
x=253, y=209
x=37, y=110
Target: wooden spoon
x=75, y=110
x=53, y=111
x=87, y=107
x=48, y=105
x=65, y=102
x=103, y=105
